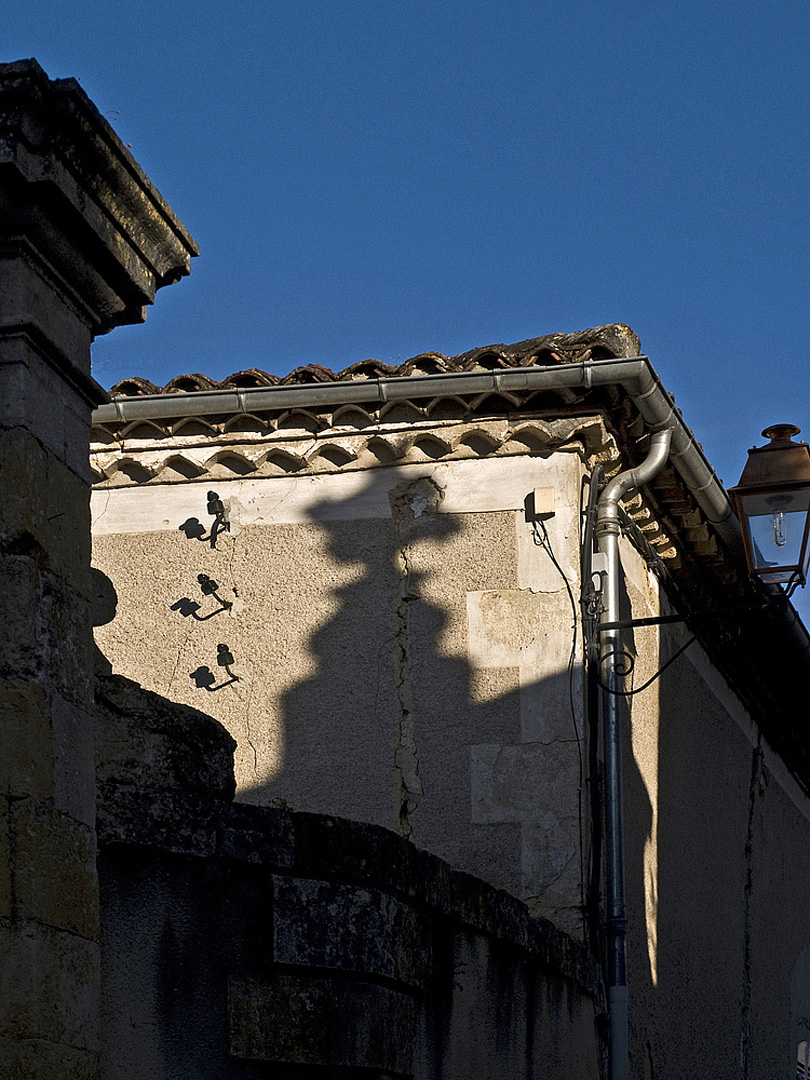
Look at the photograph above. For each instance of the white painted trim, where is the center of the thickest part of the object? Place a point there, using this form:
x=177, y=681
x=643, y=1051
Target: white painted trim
x=475, y=486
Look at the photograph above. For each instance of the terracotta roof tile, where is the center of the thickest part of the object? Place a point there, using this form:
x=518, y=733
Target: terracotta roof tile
x=248, y=379
x=368, y=369
x=310, y=373
x=600, y=342
x=135, y=387
x=189, y=384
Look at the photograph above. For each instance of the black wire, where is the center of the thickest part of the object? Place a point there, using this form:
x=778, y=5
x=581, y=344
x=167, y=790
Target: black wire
x=544, y=542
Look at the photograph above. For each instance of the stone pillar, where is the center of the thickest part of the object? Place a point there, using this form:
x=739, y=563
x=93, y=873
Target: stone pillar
x=85, y=241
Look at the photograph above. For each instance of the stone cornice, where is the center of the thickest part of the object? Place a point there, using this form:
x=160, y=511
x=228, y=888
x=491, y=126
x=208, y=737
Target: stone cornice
x=60, y=159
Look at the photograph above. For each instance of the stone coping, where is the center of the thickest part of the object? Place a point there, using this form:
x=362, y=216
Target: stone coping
x=314, y=846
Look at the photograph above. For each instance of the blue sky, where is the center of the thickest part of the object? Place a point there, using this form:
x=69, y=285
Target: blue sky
x=385, y=178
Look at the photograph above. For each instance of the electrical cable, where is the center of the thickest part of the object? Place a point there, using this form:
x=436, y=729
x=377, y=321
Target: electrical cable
x=544, y=541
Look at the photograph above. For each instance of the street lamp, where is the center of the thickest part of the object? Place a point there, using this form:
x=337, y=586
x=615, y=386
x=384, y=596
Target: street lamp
x=772, y=501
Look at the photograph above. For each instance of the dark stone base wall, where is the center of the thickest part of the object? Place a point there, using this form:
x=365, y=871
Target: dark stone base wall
x=242, y=942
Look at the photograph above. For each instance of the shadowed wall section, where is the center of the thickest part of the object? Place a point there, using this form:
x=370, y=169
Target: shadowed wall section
x=246, y=941
x=85, y=241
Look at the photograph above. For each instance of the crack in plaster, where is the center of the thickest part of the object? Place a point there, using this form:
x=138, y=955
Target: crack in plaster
x=542, y=897
x=267, y=511
x=406, y=758
x=106, y=505
x=409, y=501
x=180, y=650
x=249, y=735
x=745, y=997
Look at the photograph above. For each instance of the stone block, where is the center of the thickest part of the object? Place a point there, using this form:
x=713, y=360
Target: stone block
x=5, y=861
x=26, y=755
x=66, y=640
x=21, y=586
x=41, y=312
x=327, y=925
x=355, y=850
x=315, y=1021
x=146, y=741
x=46, y=502
x=47, y=631
x=256, y=834
x=49, y=986
x=67, y=513
x=487, y=910
x=486, y=1024
x=183, y=823
x=55, y=877
x=565, y=1040
x=35, y=398
x=74, y=767
x=101, y=224
x=36, y=1059
x=23, y=465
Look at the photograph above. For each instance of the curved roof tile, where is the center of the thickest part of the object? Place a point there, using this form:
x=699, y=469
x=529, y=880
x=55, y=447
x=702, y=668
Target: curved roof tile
x=135, y=386
x=189, y=384
x=248, y=379
x=309, y=373
x=368, y=369
x=600, y=342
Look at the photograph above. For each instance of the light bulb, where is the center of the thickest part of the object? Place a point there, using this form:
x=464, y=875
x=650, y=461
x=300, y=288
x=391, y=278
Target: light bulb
x=779, y=534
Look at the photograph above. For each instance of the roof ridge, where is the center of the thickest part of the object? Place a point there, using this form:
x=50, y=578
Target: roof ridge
x=613, y=340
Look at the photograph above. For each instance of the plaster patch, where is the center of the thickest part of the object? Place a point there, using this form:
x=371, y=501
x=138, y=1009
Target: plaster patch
x=535, y=570
x=536, y=785
x=515, y=628
x=522, y=782
x=513, y=620
x=536, y=782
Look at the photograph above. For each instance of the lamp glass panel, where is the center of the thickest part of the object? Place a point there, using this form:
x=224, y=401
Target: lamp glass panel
x=776, y=524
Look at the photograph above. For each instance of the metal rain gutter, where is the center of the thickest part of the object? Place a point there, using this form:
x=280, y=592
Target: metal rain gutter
x=635, y=375
x=607, y=532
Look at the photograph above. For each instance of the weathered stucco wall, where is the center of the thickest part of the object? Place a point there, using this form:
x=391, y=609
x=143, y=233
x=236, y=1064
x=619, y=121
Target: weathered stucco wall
x=402, y=639
x=401, y=643
x=716, y=836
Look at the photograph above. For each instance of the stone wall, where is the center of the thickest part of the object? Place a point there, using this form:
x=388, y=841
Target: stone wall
x=76, y=259
x=247, y=941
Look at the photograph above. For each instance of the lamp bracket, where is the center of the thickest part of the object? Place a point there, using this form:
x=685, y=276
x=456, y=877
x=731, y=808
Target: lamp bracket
x=660, y=620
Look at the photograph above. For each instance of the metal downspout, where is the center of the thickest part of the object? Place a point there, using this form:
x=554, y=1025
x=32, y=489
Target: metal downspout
x=610, y=660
